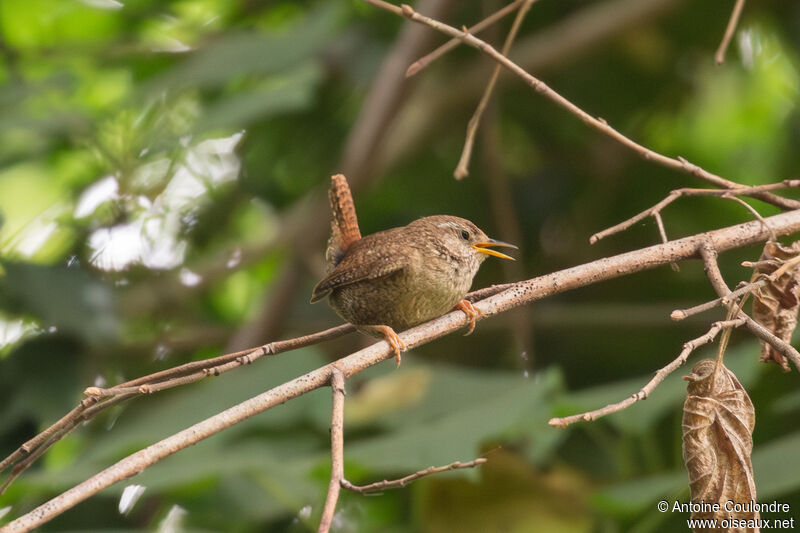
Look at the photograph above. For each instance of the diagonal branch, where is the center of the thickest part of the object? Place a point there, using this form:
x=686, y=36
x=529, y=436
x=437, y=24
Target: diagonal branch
x=197, y=370
x=379, y=486
x=709, y=256
x=719, y=57
x=728, y=194
x=426, y=60
x=674, y=163
x=337, y=449
x=99, y=399
x=462, y=169
x=680, y=314
x=744, y=288
x=516, y=295
x=651, y=385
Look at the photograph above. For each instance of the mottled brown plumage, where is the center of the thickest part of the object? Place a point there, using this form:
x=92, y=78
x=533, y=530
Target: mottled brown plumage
x=398, y=278
x=344, y=224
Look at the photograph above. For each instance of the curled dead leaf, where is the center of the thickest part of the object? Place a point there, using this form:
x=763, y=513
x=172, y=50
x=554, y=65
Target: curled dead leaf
x=775, y=305
x=718, y=421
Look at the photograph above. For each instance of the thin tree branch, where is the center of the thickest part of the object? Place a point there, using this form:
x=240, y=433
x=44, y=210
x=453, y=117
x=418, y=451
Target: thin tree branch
x=745, y=288
x=518, y=294
x=462, y=169
x=728, y=194
x=680, y=314
x=99, y=399
x=337, y=449
x=379, y=486
x=663, y=233
x=426, y=60
x=480, y=294
x=306, y=222
x=386, y=96
x=719, y=57
x=675, y=163
x=709, y=256
x=221, y=364
x=661, y=374
x=552, y=47
x=783, y=347
x=750, y=208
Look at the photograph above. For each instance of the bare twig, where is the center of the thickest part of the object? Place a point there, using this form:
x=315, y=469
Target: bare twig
x=663, y=233
x=645, y=391
x=426, y=60
x=338, y=481
x=462, y=169
x=728, y=194
x=783, y=347
x=337, y=449
x=99, y=399
x=745, y=288
x=480, y=294
x=379, y=486
x=680, y=314
x=550, y=47
x=386, y=96
x=516, y=295
x=31, y=445
x=709, y=255
x=197, y=370
x=675, y=163
x=750, y=208
x=719, y=57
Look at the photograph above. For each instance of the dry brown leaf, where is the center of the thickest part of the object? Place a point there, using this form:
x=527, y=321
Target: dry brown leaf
x=775, y=305
x=718, y=421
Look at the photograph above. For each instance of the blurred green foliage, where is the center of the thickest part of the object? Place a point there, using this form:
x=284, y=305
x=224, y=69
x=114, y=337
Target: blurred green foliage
x=157, y=161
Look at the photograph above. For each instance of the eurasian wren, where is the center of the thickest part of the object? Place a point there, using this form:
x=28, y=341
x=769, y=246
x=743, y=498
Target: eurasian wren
x=401, y=277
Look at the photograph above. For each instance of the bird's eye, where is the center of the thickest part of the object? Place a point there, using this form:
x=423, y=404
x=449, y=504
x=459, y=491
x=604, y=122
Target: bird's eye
x=465, y=235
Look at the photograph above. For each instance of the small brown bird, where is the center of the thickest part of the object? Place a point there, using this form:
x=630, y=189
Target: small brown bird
x=401, y=277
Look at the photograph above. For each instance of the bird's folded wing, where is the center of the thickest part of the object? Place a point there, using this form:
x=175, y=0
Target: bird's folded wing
x=356, y=267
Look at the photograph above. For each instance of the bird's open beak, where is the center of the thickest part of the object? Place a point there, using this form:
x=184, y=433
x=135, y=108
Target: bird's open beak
x=483, y=247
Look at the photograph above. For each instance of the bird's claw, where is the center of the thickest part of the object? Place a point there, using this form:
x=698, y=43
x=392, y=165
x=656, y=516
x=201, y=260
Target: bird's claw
x=394, y=341
x=471, y=311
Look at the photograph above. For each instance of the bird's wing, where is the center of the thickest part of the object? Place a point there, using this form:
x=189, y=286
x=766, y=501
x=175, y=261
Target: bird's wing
x=363, y=261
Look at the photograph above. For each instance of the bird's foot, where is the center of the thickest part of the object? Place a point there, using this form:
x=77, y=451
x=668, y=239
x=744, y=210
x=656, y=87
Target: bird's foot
x=472, y=312
x=394, y=341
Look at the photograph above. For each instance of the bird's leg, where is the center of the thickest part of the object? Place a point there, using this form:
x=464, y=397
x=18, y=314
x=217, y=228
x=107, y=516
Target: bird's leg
x=389, y=336
x=472, y=313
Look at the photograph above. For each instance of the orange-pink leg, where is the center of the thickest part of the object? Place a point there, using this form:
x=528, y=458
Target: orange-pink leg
x=391, y=337
x=472, y=313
